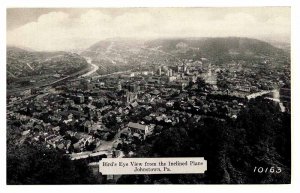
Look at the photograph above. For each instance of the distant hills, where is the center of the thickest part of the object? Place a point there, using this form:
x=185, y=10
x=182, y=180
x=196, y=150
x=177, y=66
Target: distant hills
x=112, y=46
x=218, y=50
x=113, y=53
x=222, y=43
x=24, y=63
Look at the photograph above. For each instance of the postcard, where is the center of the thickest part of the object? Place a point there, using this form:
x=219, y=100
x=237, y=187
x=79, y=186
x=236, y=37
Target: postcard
x=148, y=95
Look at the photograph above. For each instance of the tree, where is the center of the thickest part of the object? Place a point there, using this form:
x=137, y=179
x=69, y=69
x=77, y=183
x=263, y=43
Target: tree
x=37, y=164
x=260, y=136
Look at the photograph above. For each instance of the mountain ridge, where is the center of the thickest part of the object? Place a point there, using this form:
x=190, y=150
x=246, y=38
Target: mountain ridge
x=217, y=49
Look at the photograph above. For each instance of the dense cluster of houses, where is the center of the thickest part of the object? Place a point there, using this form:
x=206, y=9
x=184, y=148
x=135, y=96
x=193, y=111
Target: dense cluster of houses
x=85, y=114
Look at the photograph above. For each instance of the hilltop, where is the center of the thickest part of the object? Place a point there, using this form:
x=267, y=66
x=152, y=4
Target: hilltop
x=25, y=66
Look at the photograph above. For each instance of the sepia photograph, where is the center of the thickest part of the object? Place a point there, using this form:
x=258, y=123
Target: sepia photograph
x=148, y=95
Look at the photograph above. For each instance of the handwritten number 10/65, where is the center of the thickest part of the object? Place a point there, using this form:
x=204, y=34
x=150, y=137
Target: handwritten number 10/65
x=267, y=170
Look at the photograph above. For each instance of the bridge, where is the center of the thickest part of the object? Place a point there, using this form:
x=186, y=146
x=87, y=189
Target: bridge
x=261, y=93
x=275, y=98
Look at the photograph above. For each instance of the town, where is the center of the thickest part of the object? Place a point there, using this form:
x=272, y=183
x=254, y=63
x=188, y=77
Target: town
x=109, y=114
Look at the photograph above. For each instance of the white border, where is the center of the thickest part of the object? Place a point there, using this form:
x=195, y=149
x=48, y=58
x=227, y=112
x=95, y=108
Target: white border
x=145, y=3
x=155, y=3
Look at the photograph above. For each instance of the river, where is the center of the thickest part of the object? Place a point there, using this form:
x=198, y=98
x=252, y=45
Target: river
x=94, y=68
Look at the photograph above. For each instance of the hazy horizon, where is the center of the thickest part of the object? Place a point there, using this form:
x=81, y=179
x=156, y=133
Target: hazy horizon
x=71, y=29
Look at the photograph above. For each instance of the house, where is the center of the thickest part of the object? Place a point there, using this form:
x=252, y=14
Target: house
x=56, y=129
x=155, y=92
x=138, y=128
x=26, y=132
x=170, y=104
x=134, y=104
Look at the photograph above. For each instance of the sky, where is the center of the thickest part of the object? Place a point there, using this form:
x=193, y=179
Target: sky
x=54, y=29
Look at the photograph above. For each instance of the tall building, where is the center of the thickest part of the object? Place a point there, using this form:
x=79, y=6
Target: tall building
x=119, y=86
x=79, y=98
x=183, y=85
x=159, y=71
x=184, y=68
x=130, y=97
x=210, y=77
x=170, y=72
x=209, y=71
x=134, y=87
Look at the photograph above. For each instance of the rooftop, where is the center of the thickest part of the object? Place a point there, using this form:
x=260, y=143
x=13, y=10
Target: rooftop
x=136, y=126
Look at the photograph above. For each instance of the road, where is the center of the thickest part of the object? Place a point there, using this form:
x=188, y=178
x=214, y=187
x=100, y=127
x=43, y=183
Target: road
x=276, y=97
x=254, y=95
x=108, y=145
